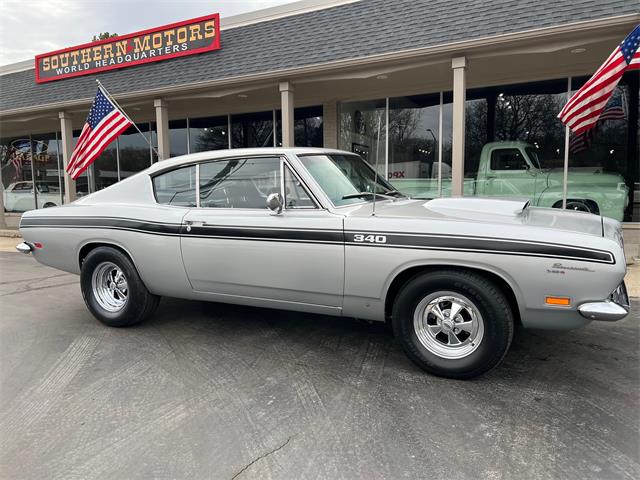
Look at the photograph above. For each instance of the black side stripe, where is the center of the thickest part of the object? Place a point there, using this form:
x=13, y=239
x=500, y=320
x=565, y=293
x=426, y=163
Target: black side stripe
x=298, y=235
x=482, y=245
x=102, y=222
x=328, y=236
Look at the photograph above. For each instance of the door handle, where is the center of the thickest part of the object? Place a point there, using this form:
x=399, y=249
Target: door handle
x=193, y=223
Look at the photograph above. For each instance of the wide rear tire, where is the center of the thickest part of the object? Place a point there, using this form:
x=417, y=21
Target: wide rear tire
x=113, y=290
x=453, y=323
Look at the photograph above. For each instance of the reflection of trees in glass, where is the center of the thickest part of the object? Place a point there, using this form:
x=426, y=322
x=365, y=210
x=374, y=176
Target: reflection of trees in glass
x=134, y=159
x=308, y=132
x=475, y=135
x=252, y=132
x=403, y=123
x=211, y=139
x=361, y=127
x=533, y=119
x=608, y=140
x=409, y=143
x=529, y=118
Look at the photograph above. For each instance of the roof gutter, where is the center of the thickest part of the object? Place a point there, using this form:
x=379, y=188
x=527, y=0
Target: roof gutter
x=398, y=56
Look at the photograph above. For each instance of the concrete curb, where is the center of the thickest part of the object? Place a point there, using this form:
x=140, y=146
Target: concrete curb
x=10, y=233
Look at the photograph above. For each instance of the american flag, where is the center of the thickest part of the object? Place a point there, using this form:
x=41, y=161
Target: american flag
x=104, y=123
x=613, y=111
x=19, y=151
x=583, y=109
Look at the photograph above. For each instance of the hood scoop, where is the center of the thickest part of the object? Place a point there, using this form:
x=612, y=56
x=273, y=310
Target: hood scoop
x=463, y=206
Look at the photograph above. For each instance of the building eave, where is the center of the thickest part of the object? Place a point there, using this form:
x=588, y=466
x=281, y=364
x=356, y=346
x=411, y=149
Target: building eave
x=474, y=48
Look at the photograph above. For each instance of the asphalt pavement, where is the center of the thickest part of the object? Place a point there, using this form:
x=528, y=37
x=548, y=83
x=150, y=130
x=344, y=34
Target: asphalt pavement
x=218, y=391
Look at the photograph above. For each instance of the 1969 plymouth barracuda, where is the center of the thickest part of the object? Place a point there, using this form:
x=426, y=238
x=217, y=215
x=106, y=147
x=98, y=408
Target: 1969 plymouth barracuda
x=315, y=230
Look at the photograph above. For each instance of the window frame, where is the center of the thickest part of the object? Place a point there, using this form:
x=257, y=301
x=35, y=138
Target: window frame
x=169, y=170
x=307, y=190
x=284, y=161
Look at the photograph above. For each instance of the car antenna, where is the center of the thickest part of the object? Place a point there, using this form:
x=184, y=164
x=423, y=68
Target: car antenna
x=375, y=176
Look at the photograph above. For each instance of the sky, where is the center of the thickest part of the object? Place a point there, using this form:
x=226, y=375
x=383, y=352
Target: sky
x=30, y=27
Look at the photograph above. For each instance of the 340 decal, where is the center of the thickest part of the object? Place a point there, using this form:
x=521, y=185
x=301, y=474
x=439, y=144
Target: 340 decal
x=360, y=238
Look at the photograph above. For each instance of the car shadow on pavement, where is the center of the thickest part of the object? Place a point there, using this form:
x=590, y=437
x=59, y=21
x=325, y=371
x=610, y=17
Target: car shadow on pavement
x=533, y=353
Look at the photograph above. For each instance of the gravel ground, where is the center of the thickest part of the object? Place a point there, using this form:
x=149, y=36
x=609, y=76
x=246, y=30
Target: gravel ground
x=216, y=391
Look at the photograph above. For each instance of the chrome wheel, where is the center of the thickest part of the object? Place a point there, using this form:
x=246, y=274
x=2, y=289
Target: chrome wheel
x=448, y=324
x=110, y=287
x=578, y=206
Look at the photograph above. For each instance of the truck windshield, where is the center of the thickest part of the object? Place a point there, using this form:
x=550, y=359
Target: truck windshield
x=535, y=159
x=346, y=179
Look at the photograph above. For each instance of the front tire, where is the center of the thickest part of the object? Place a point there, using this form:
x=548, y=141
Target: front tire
x=113, y=290
x=453, y=323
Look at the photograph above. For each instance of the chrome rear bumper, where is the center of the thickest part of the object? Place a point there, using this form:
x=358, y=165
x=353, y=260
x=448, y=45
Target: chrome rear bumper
x=611, y=310
x=24, y=247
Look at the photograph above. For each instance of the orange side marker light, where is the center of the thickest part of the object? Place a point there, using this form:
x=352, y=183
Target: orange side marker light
x=558, y=301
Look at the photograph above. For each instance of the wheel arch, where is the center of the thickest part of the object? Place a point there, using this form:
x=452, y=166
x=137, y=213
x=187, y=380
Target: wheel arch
x=403, y=276
x=592, y=204
x=91, y=245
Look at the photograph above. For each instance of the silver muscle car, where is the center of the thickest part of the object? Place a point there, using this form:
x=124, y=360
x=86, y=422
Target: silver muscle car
x=315, y=230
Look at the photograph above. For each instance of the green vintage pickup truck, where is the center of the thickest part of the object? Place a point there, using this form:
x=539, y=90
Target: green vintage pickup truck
x=513, y=169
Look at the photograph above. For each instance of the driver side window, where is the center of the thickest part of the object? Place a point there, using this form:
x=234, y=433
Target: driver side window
x=508, y=159
x=239, y=182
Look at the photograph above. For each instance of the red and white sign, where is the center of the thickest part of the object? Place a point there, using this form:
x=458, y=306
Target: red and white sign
x=193, y=36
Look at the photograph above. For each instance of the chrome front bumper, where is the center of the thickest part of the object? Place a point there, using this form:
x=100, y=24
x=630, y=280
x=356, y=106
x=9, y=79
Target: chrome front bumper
x=616, y=307
x=24, y=247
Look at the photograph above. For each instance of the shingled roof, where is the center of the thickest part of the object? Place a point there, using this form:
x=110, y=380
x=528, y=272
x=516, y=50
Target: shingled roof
x=348, y=31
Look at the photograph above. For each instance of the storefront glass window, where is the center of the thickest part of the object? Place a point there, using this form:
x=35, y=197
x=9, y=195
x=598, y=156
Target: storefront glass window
x=447, y=143
x=105, y=167
x=15, y=163
x=250, y=130
x=307, y=125
x=14, y=155
x=475, y=138
x=178, y=137
x=414, y=124
x=514, y=144
x=603, y=166
x=308, y=130
x=135, y=153
x=515, y=148
x=208, y=133
x=83, y=186
x=363, y=130
x=46, y=168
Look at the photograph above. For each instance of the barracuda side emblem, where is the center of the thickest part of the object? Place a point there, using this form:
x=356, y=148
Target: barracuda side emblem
x=561, y=269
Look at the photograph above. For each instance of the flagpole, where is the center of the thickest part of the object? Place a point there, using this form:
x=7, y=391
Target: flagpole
x=565, y=170
x=110, y=97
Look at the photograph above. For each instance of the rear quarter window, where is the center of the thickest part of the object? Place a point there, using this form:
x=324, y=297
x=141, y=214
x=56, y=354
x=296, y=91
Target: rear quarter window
x=176, y=187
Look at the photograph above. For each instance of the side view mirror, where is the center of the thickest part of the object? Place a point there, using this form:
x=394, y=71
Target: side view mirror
x=275, y=203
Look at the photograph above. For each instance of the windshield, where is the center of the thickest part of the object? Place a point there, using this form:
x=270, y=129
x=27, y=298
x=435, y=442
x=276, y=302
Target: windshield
x=533, y=155
x=346, y=179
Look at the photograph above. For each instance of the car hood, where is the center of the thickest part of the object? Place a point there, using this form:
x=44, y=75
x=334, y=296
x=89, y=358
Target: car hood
x=485, y=211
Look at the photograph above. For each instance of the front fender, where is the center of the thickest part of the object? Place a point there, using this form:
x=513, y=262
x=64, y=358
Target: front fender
x=440, y=263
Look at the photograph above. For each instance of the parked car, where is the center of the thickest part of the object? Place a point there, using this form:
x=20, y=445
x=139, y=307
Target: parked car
x=18, y=196
x=315, y=230
x=508, y=169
